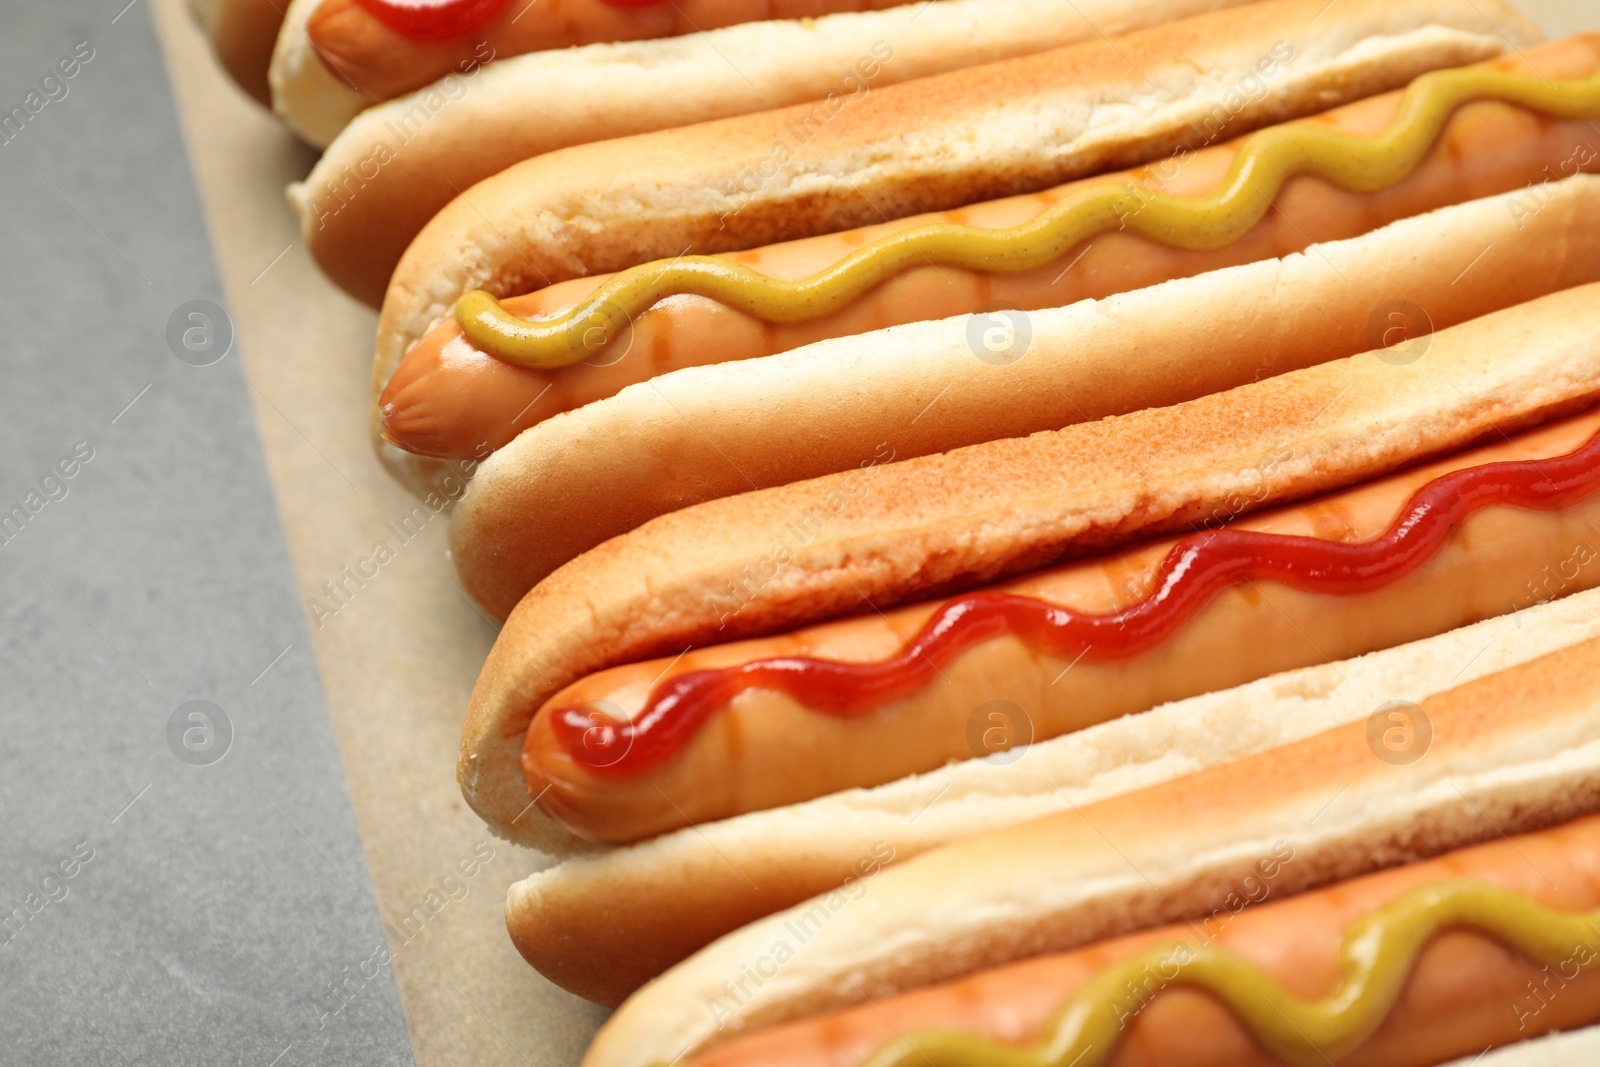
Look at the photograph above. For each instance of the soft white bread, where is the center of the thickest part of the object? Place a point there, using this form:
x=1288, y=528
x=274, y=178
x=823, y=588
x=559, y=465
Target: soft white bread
x=358, y=218
x=573, y=481
x=601, y=925
x=311, y=99
x=988, y=131
x=915, y=528
x=1510, y=752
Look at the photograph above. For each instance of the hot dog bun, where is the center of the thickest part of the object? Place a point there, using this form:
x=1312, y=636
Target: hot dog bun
x=358, y=216
x=973, y=515
x=601, y=925
x=902, y=149
x=573, y=481
x=1508, y=753
x=243, y=34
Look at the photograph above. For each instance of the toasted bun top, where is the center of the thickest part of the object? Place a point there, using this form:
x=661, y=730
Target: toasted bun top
x=1509, y=753
x=983, y=132
x=837, y=544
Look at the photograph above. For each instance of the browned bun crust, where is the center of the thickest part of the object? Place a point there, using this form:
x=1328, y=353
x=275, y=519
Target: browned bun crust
x=243, y=33
x=916, y=528
x=903, y=149
x=1509, y=753
x=569, y=483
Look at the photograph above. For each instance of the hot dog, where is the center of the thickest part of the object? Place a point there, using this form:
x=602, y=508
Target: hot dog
x=243, y=33
x=901, y=694
x=390, y=169
x=448, y=398
x=771, y=561
x=1484, y=939
x=794, y=171
x=1466, y=991
x=603, y=924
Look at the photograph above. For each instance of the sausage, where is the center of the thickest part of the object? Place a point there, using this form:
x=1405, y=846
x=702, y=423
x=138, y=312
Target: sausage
x=383, y=64
x=764, y=749
x=449, y=400
x=1465, y=993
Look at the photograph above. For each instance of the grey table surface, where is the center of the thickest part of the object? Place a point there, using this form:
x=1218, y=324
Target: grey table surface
x=180, y=882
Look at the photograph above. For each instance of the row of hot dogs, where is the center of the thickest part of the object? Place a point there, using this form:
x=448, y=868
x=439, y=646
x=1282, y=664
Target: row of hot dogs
x=1096, y=469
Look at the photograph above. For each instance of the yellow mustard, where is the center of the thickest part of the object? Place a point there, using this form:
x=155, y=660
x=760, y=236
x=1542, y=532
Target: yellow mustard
x=1265, y=161
x=1376, y=960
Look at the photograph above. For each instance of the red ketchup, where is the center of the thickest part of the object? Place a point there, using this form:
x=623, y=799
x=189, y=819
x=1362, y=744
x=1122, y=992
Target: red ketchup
x=1196, y=570
x=440, y=20
x=433, y=20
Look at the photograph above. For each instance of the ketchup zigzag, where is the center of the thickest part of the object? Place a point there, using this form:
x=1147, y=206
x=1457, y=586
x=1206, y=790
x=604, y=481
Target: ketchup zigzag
x=1196, y=569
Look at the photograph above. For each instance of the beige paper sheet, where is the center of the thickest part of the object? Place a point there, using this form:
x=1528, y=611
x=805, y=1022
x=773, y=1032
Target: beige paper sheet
x=399, y=652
